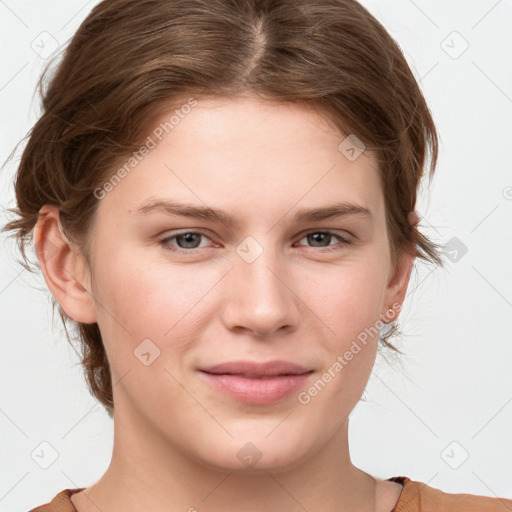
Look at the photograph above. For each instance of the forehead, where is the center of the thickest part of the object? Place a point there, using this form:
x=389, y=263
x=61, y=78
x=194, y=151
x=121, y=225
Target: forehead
x=248, y=153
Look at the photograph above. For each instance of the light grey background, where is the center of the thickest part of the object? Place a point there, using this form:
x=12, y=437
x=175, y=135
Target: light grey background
x=450, y=397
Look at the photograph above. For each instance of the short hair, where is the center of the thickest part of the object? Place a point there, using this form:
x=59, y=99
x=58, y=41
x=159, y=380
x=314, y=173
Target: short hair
x=131, y=60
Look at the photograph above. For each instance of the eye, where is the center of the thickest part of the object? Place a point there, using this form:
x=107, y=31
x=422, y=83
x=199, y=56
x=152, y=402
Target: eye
x=185, y=241
x=321, y=239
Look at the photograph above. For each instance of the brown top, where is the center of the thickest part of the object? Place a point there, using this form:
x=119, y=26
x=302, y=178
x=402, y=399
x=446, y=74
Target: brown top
x=415, y=497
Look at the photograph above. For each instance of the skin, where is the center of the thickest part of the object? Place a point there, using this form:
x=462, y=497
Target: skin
x=176, y=438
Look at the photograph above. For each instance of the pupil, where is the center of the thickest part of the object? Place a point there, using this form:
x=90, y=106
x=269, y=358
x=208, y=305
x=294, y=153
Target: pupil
x=315, y=237
x=188, y=239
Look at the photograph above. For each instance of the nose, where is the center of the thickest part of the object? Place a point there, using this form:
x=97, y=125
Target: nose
x=259, y=293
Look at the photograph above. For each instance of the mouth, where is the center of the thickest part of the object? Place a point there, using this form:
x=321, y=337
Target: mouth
x=256, y=369
x=262, y=377
x=257, y=383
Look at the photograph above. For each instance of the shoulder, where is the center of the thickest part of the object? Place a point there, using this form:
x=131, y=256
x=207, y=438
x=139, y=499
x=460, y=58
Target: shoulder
x=61, y=503
x=419, y=497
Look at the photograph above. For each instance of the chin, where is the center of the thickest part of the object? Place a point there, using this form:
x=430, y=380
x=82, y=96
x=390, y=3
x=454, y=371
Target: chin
x=256, y=453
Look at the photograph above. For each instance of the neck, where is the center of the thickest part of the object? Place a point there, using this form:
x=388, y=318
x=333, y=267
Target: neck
x=146, y=472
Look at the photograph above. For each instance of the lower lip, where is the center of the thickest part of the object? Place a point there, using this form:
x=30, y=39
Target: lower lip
x=257, y=391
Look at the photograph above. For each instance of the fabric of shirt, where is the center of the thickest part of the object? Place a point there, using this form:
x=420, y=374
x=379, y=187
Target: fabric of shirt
x=415, y=497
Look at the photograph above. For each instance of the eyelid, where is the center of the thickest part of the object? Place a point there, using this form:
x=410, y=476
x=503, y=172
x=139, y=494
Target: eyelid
x=341, y=233
x=184, y=231
x=342, y=239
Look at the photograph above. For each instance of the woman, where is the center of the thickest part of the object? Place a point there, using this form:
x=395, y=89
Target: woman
x=222, y=195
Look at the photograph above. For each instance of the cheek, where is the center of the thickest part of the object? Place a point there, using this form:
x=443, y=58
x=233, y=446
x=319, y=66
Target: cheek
x=350, y=307
x=347, y=298
x=160, y=302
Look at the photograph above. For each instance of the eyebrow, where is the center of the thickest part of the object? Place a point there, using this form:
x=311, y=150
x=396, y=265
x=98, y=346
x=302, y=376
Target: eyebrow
x=332, y=210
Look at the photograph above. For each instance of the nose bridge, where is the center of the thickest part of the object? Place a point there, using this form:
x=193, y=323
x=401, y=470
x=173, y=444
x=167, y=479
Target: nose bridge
x=260, y=300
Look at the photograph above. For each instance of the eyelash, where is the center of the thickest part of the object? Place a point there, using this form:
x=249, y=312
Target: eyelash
x=166, y=241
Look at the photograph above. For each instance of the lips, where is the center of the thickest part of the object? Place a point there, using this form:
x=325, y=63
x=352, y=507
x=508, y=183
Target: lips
x=257, y=383
x=250, y=369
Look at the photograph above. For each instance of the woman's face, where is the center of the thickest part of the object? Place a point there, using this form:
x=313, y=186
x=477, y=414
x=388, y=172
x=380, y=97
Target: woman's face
x=260, y=282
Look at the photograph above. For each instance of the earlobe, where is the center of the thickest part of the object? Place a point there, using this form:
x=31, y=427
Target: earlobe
x=397, y=287
x=399, y=282
x=413, y=219
x=62, y=267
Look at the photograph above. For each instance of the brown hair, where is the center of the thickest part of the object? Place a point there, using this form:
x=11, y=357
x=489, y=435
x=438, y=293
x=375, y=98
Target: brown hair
x=131, y=59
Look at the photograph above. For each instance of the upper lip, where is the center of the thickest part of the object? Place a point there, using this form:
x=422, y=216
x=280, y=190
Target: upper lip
x=254, y=369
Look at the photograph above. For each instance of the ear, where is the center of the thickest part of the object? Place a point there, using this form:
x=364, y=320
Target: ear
x=63, y=267
x=399, y=281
